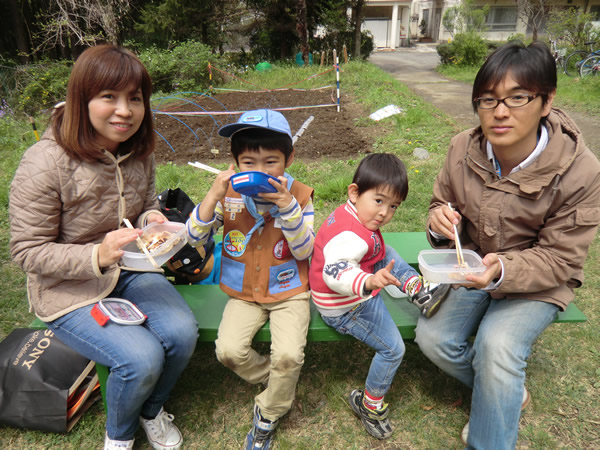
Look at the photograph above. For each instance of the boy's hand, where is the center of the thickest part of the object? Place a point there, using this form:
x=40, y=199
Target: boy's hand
x=443, y=220
x=382, y=278
x=282, y=197
x=216, y=192
x=221, y=183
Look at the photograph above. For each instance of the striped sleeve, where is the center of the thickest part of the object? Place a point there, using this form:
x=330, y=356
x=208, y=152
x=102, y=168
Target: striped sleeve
x=297, y=226
x=341, y=270
x=198, y=232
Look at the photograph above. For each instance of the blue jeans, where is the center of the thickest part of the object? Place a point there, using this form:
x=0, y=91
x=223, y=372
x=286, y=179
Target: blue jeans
x=494, y=364
x=371, y=323
x=144, y=360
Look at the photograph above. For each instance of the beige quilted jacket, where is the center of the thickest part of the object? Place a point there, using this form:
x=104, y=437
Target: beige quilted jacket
x=60, y=210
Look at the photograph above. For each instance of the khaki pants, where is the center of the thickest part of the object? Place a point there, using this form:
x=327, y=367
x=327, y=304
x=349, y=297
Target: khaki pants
x=289, y=322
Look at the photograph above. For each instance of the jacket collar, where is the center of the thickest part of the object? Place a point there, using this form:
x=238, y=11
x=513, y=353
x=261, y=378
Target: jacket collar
x=564, y=144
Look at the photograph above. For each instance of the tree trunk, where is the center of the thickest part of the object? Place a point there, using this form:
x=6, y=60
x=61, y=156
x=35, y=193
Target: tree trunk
x=21, y=38
x=357, y=23
x=302, y=29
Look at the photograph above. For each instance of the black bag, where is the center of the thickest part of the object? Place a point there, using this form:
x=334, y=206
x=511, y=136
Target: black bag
x=190, y=264
x=45, y=385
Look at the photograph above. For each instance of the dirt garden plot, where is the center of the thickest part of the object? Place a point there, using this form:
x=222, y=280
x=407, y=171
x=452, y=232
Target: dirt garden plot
x=331, y=134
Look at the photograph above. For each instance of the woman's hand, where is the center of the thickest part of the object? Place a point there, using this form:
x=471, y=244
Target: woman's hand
x=443, y=220
x=155, y=217
x=382, y=278
x=492, y=272
x=110, y=251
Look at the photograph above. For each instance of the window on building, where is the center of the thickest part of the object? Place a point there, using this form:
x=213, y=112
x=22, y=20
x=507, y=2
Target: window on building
x=595, y=9
x=502, y=18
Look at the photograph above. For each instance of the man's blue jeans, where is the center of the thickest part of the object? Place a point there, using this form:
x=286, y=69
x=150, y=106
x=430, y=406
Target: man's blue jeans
x=144, y=360
x=371, y=323
x=494, y=364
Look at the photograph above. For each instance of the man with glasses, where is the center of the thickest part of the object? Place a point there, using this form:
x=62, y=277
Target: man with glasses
x=525, y=195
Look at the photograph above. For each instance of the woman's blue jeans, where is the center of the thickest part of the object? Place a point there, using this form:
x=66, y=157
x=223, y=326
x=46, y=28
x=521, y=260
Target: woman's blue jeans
x=144, y=360
x=371, y=323
x=494, y=364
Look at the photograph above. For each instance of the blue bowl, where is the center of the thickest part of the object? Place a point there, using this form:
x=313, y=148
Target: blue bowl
x=252, y=183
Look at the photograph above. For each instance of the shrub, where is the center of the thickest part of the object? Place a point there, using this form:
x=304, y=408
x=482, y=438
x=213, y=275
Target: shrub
x=35, y=87
x=184, y=67
x=467, y=49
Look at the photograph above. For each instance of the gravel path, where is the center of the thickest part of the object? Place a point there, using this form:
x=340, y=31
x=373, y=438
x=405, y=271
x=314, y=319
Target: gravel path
x=415, y=67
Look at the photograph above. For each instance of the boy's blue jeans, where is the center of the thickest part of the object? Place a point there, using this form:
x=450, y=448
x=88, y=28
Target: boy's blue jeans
x=144, y=360
x=371, y=323
x=494, y=364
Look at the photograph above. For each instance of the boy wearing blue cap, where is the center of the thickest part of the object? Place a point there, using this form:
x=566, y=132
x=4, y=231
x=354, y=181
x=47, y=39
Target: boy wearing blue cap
x=267, y=241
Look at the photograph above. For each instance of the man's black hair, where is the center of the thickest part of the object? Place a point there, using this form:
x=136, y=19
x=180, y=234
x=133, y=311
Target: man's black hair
x=533, y=67
x=252, y=139
x=380, y=171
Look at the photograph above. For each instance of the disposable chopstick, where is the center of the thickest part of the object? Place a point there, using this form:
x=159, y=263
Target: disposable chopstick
x=459, y=253
x=204, y=167
x=141, y=245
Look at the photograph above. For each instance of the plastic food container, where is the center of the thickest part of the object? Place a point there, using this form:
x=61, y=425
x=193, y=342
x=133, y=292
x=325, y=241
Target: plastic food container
x=441, y=266
x=168, y=238
x=252, y=183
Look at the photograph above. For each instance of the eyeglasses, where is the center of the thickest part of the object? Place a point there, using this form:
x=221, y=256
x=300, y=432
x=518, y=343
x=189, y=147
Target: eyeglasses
x=514, y=101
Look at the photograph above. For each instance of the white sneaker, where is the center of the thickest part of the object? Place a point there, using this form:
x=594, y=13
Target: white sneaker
x=111, y=444
x=162, y=433
x=464, y=434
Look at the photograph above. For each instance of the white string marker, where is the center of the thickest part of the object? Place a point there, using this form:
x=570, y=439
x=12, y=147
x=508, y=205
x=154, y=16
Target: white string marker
x=204, y=167
x=302, y=128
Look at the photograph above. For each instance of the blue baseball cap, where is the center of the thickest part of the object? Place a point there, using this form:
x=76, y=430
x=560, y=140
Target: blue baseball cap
x=258, y=118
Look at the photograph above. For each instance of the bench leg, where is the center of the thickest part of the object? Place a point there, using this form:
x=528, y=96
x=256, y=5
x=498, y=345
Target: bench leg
x=102, y=372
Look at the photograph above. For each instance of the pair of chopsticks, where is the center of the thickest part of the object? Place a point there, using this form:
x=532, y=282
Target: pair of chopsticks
x=459, y=253
x=141, y=245
x=204, y=167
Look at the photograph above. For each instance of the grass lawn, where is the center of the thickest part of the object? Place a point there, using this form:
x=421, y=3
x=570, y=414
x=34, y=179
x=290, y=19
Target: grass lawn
x=213, y=407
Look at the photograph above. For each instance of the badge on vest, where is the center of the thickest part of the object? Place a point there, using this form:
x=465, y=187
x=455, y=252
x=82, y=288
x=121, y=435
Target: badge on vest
x=233, y=205
x=281, y=249
x=284, y=278
x=233, y=243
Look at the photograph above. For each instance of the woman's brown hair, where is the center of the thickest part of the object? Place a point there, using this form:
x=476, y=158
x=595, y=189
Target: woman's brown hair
x=99, y=68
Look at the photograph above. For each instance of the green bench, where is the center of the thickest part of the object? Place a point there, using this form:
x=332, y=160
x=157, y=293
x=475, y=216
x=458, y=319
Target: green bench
x=208, y=301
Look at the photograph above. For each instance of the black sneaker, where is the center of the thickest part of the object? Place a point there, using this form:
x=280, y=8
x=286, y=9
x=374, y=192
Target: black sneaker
x=375, y=422
x=428, y=299
x=259, y=437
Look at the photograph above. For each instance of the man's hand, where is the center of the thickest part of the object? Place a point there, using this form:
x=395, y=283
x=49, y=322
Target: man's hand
x=493, y=271
x=382, y=278
x=443, y=220
x=282, y=197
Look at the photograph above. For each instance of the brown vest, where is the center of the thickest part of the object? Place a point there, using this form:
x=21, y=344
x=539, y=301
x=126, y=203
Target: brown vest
x=264, y=271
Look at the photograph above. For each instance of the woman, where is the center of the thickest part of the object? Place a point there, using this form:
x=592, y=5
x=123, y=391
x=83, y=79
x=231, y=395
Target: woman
x=525, y=194
x=92, y=169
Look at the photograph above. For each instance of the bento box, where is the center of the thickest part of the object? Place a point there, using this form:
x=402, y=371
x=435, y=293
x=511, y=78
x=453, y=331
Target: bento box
x=162, y=240
x=441, y=266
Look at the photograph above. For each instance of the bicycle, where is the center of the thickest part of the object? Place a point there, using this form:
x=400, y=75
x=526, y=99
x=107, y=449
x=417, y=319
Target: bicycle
x=590, y=66
x=575, y=59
